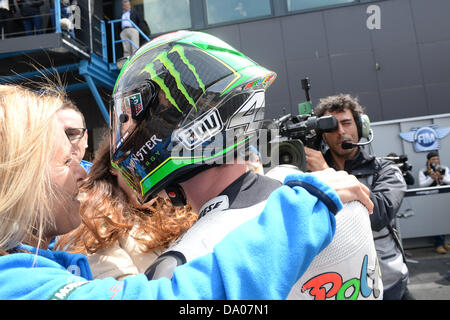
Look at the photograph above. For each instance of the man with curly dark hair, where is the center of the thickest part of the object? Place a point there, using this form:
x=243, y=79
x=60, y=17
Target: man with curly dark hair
x=382, y=177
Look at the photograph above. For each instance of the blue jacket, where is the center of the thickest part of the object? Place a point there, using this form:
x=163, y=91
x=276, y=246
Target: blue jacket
x=260, y=259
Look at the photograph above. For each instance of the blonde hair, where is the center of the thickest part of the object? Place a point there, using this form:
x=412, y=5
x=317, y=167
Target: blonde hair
x=27, y=136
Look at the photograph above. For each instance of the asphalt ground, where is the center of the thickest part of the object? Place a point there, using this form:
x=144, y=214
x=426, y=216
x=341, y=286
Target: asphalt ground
x=429, y=274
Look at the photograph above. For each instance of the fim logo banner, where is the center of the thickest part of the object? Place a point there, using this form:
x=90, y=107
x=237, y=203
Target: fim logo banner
x=425, y=138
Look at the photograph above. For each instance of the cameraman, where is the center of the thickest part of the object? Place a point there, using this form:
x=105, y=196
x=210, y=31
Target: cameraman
x=435, y=175
x=382, y=177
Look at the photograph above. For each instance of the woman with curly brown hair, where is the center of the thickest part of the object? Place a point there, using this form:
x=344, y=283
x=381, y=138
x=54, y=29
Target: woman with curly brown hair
x=120, y=236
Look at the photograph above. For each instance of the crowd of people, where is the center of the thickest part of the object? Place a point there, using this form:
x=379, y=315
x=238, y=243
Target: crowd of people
x=34, y=17
x=144, y=222
x=28, y=17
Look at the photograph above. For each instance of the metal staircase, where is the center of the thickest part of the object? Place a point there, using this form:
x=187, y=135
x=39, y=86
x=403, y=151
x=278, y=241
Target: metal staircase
x=83, y=60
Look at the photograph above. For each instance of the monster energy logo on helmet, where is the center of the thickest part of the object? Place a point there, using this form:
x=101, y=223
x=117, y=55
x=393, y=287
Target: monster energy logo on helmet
x=170, y=60
x=182, y=74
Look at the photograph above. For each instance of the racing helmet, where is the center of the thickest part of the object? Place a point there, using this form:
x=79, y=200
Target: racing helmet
x=184, y=102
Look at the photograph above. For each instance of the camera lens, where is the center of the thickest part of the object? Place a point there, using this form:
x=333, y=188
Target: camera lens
x=286, y=158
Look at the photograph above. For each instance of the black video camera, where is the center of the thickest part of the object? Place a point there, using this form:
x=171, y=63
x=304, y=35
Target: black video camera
x=301, y=130
x=401, y=161
x=437, y=168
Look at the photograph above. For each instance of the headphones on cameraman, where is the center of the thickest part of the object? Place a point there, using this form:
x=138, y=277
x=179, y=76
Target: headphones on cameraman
x=363, y=126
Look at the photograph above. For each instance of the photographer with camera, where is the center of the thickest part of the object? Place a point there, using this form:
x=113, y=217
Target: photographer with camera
x=382, y=177
x=403, y=165
x=435, y=175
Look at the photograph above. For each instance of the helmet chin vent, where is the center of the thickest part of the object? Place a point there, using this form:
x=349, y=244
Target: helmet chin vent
x=176, y=195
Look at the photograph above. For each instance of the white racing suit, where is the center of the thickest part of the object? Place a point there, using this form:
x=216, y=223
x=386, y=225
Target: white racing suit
x=346, y=269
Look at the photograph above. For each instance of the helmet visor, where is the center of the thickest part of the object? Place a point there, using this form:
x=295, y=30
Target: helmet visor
x=127, y=109
x=141, y=131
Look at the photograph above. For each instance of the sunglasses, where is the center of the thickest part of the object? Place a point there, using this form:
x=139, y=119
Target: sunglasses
x=75, y=133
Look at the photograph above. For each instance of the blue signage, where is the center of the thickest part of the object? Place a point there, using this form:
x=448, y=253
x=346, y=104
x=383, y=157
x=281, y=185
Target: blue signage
x=425, y=138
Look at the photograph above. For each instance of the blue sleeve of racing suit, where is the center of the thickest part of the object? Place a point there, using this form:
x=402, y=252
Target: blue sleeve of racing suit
x=260, y=259
x=264, y=257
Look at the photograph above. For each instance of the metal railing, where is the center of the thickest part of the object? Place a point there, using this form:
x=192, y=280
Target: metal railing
x=77, y=23
x=85, y=33
x=114, y=42
x=71, y=18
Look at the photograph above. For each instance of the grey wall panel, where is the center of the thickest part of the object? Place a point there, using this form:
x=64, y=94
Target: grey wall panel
x=438, y=95
x=435, y=58
x=397, y=26
x=385, y=133
x=346, y=30
x=426, y=222
x=318, y=71
x=404, y=102
x=444, y=153
x=304, y=36
x=354, y=72
x=431, y=19
x=275, y=110
x=399, y=67
x=262, y=41
x=372, y=105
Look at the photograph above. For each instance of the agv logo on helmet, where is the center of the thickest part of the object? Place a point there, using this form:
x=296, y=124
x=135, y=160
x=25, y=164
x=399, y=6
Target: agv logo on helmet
x=200, y=131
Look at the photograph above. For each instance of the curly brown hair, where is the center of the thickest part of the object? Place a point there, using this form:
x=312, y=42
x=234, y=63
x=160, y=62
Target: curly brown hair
x=339, y=103
x=107, y=214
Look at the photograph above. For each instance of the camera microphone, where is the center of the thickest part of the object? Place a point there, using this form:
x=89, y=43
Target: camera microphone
x=350, y=145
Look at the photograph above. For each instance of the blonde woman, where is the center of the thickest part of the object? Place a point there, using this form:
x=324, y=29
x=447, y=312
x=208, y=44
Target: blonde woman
x=38, y=201
x=38, y=176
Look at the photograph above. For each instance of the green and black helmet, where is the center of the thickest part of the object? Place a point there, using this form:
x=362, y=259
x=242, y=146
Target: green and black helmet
x=185, y=101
